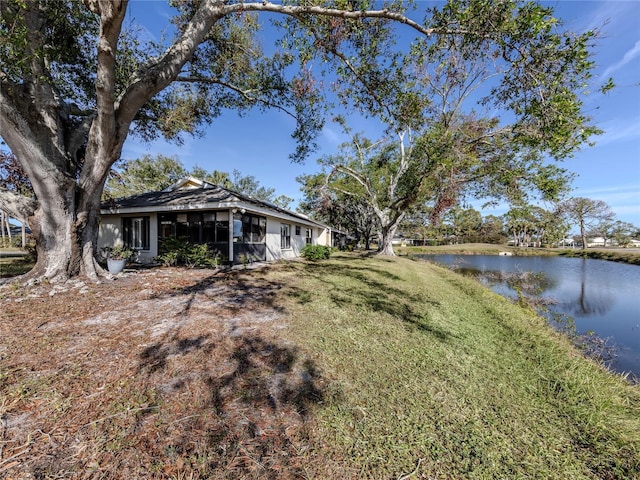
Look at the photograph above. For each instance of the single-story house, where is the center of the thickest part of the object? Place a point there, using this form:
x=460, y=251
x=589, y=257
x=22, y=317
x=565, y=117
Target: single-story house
x=401, y=240
x=601, y=242
x=234, y=225
x=566, y=242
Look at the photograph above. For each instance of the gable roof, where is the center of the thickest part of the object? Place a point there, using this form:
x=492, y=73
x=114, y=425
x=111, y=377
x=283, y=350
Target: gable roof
x=191, y=194
x=189, y=182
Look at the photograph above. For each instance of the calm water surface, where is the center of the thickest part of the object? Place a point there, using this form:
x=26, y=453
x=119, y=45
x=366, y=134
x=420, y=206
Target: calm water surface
x=601, y=296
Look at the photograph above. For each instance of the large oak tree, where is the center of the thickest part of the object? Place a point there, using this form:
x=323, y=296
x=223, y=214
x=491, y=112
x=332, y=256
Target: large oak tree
x=75, y=82
x=478, y=112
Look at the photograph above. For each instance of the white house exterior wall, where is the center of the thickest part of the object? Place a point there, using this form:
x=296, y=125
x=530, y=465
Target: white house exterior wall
x=274, y=252
x=110, y=231
x=111, y=234
x=274, y=249
x=324, y=237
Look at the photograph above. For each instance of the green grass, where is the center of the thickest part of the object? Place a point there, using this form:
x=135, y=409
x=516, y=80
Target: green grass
x=474, y=249
x=623, y=256
x=430, y=369
x=11, y=266
x=357, y=367
x=616, y=255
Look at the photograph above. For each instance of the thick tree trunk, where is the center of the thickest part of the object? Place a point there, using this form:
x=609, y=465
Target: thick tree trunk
x=66, y=237
x=386, y=246
x=387, y=232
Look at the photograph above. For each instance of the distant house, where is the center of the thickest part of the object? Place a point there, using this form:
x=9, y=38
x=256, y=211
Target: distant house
x=600, y=242
x=566, y=242
x=401, y=240
x=234, y=225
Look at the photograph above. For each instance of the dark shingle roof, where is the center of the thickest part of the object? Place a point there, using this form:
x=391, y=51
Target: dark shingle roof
x=207, y=194
x=172, y=198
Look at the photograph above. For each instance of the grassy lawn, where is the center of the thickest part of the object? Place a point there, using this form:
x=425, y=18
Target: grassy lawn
x=430, y=367
x=355, y=367
x=625, y=255
x=12, y=265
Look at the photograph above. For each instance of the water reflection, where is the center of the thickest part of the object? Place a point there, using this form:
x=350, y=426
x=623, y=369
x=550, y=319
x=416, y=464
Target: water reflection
x=582, y=295
x=595, y=301
x=539, y=285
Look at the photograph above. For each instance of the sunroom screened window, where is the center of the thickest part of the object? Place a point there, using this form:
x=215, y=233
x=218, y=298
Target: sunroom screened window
x=195, y=227
x=254, y=228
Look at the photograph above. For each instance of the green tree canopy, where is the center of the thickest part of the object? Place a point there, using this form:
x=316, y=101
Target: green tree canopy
x=146, y=174
x=475, y=113
x=341, y=210
x=586, y=213
x=76, y=80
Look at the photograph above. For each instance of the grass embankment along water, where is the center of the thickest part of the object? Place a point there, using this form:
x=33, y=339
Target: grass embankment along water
x=614, y=255
x=353, y=367
x=472, y=249
x=624, y=255
x=430, y=365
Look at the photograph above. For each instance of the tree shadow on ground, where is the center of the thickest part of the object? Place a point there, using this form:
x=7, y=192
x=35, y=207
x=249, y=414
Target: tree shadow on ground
x=232, y=290
x=154, y=358
x=371, y=291
x=253, y=409
x=266, y=375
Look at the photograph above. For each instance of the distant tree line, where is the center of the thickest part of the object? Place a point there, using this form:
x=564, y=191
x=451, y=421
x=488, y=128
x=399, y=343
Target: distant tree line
x=522, y=225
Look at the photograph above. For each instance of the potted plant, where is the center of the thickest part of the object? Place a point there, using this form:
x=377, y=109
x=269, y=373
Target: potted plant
x=117, y=258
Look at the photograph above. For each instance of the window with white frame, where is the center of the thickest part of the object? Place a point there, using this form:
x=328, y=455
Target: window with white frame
x=309, y=236
x=135, y=232
x=285, y=235
x=298, y=230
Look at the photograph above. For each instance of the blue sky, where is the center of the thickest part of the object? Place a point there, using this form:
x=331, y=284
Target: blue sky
x=259, y=144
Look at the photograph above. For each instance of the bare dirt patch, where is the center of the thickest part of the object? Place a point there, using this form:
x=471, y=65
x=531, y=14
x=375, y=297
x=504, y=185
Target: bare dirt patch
x=164, y=373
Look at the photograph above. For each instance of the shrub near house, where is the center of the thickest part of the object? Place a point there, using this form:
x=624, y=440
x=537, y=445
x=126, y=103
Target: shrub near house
x=316, y=252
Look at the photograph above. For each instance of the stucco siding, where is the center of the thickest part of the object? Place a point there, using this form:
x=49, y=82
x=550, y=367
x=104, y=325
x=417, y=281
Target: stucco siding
x=322, y=236
x=111, y=234
x=274, y=252
x=297, y=243
x=146, y=256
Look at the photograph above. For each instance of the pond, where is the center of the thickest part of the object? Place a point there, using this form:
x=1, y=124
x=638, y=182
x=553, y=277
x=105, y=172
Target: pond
x=598, y=296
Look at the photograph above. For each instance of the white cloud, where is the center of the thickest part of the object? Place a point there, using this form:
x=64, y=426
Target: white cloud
x=331, y=136
x=619, y=130
x=625, y=189
x=616, y=197
x=628, y=210
x=612, y=16
x=624, y=200
x=629, y=55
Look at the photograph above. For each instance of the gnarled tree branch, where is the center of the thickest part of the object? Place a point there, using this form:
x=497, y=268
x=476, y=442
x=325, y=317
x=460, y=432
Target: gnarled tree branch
x=18, y=206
